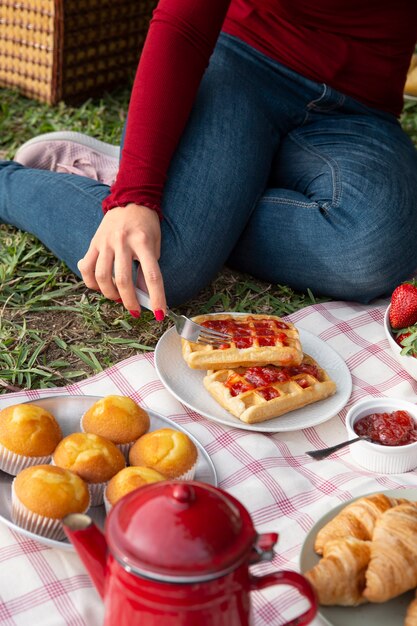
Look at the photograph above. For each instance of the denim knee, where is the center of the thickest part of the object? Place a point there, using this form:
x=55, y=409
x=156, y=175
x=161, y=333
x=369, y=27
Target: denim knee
x=180, y=287
x=370, y=274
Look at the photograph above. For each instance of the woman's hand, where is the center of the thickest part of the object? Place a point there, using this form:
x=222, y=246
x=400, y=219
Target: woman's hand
x=126, y=234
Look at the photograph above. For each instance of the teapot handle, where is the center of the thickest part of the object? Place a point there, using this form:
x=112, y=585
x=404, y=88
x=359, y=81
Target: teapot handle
x=294, y=580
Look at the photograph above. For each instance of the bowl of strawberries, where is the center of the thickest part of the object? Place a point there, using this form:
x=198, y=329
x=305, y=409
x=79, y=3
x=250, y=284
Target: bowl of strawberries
x=400, y=324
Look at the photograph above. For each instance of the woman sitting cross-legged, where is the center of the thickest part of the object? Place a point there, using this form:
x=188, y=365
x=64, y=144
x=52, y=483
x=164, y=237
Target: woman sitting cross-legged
x=261, y=134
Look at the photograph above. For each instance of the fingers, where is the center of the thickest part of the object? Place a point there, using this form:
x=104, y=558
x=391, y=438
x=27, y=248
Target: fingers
x=87, y=267
x=126, y=234
x=140, y=280
x=96, y=270
x=154, y=283
x=123, y=278
x=149, y=276
x=104, y=273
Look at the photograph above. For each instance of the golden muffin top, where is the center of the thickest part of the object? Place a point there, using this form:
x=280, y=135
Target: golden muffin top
x=168, y=451
x=117, y=418
x=51, y=491
x=29, y=430
x=93, y=458
x=128, y=479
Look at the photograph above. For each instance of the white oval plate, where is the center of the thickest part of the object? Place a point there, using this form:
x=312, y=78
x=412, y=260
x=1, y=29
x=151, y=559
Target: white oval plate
x=68, y=411
x=186, y=385
x=390, y=613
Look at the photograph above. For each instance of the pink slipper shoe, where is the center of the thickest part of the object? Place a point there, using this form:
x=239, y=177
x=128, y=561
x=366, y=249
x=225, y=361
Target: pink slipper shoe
x=71, y=153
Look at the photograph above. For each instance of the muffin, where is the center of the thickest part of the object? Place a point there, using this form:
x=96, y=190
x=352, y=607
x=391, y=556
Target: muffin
x=28, y=436
x=127, y=480
x=42, y=495
x=117, y=418
x=93, y=458
x=170, y=452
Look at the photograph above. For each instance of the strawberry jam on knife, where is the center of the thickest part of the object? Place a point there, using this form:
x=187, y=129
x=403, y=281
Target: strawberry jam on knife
x=388, y=429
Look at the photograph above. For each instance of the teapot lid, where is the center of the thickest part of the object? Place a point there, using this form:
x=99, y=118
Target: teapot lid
x=179, y=530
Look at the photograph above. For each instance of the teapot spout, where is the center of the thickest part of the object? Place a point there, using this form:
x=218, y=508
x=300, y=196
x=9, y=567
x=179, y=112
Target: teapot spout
x=91, y=546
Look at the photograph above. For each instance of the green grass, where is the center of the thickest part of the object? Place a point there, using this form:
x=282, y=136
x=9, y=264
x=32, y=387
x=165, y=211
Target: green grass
x=53, y=330
x=21, y=119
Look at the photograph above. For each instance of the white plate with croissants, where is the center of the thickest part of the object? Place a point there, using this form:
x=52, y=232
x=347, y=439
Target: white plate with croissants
x=361, y=558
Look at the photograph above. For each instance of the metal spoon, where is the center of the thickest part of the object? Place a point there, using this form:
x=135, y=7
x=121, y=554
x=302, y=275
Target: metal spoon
x=325, y=452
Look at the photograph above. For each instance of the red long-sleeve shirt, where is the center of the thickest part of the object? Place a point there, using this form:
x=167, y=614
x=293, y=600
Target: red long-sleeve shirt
x=360, y=47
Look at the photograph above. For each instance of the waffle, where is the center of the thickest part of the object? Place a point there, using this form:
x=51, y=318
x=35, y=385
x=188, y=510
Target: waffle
x=256, y=394
x=257, y=340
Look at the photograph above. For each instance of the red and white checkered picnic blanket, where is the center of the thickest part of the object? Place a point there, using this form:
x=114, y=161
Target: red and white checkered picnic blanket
x=283, y=489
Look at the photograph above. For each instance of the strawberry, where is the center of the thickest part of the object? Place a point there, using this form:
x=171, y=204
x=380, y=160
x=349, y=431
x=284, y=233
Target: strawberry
x=403, y=311
x=400, y=338
x=407, y=340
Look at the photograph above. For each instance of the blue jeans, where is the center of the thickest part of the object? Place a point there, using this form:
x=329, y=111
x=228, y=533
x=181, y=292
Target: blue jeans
x=275, y=175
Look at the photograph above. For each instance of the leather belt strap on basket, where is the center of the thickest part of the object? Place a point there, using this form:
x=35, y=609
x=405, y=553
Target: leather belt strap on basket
x=70, y=50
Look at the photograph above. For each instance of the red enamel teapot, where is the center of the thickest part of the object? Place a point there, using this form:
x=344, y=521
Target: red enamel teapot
x=177, y=553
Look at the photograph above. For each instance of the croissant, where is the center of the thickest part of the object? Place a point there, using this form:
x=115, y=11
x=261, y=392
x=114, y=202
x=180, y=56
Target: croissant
x=392, y=568
x=356, y=519
x=411, y=616
x=339, y=577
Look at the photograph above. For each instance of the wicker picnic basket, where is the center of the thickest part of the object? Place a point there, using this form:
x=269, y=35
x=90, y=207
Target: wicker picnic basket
x=52, y=50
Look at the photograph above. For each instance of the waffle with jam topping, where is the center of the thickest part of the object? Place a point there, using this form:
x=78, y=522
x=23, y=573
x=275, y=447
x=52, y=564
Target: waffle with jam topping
x=259, y=393
x=256, y=339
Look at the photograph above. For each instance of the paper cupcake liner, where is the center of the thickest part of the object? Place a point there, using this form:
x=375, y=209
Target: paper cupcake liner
x=13, y=463
x=123, y=447
x=96, y=493
x=189, y=474
x=106, y=503
x=35, y=523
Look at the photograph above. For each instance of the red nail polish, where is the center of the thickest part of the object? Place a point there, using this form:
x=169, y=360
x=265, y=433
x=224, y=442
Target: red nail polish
x=119, y=300
x=159, y=315
x=135, y=314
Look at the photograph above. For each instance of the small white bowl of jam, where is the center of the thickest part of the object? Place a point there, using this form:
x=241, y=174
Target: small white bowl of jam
x=391, y=425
